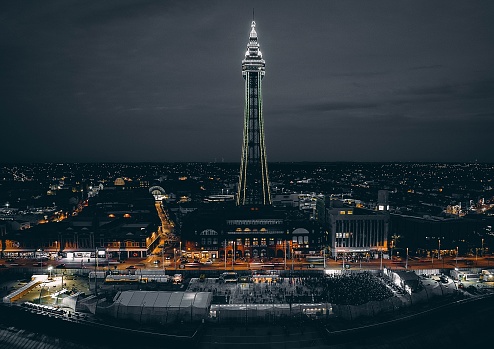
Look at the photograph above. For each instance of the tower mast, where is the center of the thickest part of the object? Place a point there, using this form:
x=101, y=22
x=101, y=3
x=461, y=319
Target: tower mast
x=253, y=187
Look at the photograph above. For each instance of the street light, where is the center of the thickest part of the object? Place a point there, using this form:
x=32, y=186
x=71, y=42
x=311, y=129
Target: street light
x=457, y=257
x=406, y=263
x=225, y=252
x=439, y=250
x=233, y=254
x=163, y=256
x=284, y=250
x=324, y=257
x=49, y=269
x=40, y=260
x=175, y=257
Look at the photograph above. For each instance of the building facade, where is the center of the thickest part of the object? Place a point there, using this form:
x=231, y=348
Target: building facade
x=355, y=232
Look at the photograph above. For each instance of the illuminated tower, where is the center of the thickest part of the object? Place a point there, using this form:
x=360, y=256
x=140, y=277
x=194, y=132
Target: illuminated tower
x=253, y=186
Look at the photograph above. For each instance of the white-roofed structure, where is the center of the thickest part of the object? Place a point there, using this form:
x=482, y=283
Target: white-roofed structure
x=160, y=306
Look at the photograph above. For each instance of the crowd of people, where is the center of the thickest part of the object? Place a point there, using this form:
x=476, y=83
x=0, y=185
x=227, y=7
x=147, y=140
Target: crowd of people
x=354, y=289
x=350, y=289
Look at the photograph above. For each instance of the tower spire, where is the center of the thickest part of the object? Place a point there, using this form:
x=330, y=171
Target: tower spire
x=253, y=186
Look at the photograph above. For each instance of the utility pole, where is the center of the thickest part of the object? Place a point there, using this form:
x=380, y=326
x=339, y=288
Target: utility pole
x=285, y=253
x=324, y=257
x=96, y=273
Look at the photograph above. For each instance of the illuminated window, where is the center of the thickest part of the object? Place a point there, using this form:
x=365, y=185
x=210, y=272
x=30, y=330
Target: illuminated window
x=238, y=229
x=342, y=212
x=255, y=242
x=239, y=242
x=247, y=241
x=294, y=239
x=263, y=241
x=271, y=241
x=306, y=240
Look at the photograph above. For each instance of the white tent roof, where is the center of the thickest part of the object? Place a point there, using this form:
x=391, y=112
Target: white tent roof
x=163, y=299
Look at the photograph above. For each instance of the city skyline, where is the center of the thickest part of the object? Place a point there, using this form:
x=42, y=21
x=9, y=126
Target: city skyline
x=159, y=81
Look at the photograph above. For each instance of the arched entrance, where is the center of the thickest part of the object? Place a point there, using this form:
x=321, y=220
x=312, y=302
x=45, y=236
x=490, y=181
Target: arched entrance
x=255, y=253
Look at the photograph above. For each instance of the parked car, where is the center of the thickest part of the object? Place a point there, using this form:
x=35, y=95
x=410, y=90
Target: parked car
x=131, y=267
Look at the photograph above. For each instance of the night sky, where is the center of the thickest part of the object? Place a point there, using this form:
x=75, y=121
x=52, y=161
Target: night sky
x=161, y=80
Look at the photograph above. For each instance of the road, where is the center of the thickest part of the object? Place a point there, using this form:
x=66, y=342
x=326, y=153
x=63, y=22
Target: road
x=152, y=262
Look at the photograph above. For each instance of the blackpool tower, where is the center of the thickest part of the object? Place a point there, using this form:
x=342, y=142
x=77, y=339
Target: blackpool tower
x=253, y=186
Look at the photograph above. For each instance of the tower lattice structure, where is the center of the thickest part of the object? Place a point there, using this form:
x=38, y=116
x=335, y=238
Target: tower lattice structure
x=253, y=187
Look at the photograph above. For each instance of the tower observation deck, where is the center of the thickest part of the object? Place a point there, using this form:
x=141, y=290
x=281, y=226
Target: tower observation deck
x=253, y=186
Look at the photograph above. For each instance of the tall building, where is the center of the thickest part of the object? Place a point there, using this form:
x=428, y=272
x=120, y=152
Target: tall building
x=255, y=227
x=253, y=186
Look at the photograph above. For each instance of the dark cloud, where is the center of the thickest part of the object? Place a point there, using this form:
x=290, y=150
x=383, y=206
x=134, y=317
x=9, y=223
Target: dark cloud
x=161, y=81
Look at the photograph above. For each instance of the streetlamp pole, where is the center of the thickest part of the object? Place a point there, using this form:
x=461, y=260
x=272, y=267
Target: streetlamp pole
x=324, y=257
x=225, y=254
x=40, y=260
x=233, y=254
x=284, y=249
x=96, y=272
x=406, y=263
x=439, y=250
x=291, y=253
x=457, y=257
